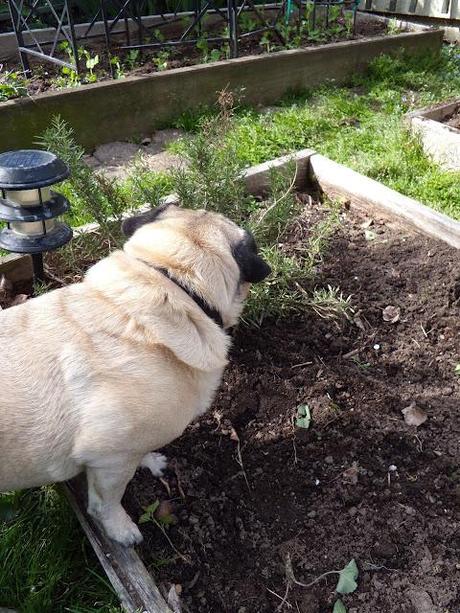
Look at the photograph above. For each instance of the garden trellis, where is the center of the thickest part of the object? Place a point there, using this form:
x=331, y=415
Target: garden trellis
x=141, y=24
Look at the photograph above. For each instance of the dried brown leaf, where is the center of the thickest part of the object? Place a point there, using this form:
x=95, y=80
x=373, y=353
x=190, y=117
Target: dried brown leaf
x=391, y=314
x=413, y=415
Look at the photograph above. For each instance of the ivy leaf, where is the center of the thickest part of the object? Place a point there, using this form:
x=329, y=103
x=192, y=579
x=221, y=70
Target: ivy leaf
x=303, y=417
x=347, y=579
x=339, y=607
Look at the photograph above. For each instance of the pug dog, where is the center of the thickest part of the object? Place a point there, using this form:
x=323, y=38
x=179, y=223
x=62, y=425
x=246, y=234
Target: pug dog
x=98, y=375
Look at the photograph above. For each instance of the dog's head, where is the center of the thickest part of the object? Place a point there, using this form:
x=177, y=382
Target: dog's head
x=204, y=251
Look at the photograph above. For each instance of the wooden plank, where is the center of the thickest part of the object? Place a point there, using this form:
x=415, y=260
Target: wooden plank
x=131, y=581
x=367, y=194
x=257, y=178
x=16, y=267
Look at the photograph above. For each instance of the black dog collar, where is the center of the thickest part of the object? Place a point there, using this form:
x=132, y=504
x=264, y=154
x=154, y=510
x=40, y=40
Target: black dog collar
x=204, y=306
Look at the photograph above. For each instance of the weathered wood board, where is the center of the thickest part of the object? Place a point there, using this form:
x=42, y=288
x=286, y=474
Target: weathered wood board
x=131, y=580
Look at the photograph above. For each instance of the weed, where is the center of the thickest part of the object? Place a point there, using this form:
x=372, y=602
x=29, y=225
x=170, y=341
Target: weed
x=161, y=60
x=12, y=85
x=393, y=27
x=117, y=69
x=132, y=58
x=330, y=303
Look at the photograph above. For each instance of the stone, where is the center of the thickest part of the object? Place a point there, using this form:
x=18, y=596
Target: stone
x=116, y=154
x=421, y=601
x=160, y=162
x=162, y=138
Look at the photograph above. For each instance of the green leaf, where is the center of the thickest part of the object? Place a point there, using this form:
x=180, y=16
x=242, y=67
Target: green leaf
x=339, y=607
x=144, y=518
x=457, y=370
x=303, y=418
x=149, y=512
x=347, y=579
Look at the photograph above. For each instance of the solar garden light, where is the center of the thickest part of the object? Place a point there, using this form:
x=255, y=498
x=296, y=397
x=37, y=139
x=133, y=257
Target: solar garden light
x=29, y=207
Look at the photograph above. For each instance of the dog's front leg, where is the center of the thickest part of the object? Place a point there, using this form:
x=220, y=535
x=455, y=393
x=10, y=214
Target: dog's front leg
x=107, y=481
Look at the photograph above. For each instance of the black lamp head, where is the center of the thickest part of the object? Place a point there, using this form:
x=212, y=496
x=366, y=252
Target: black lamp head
x=30, y=169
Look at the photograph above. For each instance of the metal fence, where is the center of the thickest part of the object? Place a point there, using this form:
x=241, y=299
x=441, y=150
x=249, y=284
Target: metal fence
x=138, y=24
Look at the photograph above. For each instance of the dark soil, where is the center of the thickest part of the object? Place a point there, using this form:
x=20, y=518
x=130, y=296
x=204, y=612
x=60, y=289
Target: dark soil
x=453, y=120
x=45, y=74
x=359, y=483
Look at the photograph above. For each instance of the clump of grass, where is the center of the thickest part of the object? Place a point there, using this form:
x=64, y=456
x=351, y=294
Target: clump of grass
x=45, y=564
x=144, y=186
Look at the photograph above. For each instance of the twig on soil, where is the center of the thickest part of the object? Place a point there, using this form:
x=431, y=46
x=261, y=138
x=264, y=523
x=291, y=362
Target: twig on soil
x=280, y=199
x=302, y=364
x=165, y=484
x=53, y=277
x=239, y=458
x=291, y=577
x=282, y=598
x=293, y=440
x=185, y=558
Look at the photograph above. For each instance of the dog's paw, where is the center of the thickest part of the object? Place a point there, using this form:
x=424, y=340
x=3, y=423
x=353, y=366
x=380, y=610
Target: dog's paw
x=155, y=462
x=124, y=531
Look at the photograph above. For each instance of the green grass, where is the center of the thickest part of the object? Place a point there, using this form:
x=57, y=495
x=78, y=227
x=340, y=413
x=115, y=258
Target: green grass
x=45, y=563
x=362, y=126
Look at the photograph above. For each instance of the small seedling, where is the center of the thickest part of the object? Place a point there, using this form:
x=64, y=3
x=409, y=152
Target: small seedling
x=161, y=61
x=339, y=607
x=12, y=85
x=157, y=514
x=347, y=578
x=457, y=370
x=303, y=417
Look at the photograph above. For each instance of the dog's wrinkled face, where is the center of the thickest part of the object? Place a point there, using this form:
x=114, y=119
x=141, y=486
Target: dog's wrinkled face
x=200, y=246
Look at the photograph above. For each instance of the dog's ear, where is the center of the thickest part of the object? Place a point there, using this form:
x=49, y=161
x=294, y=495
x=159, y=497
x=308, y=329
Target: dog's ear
x=252, y=267
x=130, y=225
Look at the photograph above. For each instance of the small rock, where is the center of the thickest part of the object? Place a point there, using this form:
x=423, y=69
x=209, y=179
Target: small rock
x=311, y=514
x=117, y=153
x=421, y=601
x=391, y=314
x=329, y=459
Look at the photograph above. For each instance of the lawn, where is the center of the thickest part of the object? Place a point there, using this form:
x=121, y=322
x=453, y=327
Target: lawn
x=45, y=563
x=362, y=126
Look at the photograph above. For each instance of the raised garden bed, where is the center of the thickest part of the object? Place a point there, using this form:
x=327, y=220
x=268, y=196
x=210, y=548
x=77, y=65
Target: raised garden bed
x=439, y=130
x=249, y=488
x=49, y=77
x=134, y=106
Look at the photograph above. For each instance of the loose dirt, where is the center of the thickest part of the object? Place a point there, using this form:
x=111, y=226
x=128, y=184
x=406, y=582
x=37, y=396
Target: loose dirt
x=248, y=488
